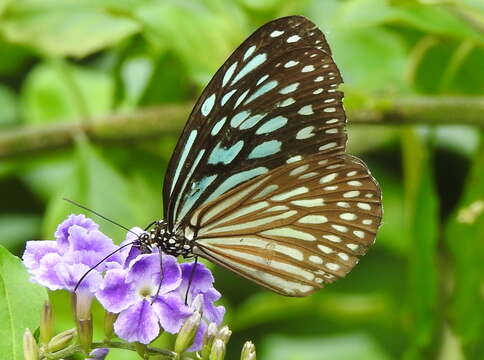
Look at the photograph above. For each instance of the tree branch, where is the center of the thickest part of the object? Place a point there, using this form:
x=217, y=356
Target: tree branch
x=165, y=119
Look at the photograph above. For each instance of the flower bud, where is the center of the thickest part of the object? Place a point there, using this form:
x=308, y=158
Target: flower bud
x=31, y=350
x=187, y=333
x=61, y=341
x=98, y=354
x=224, y=334
x=208, y=340
x=248, y=351
x=84, y=334
x=109, y=319
x=46, y=323
x=218, y=350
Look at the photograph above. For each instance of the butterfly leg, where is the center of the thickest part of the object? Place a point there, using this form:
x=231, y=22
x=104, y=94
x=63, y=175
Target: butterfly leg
x=191, y=279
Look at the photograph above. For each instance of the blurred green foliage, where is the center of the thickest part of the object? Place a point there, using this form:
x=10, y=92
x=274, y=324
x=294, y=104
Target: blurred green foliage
x=416, y=295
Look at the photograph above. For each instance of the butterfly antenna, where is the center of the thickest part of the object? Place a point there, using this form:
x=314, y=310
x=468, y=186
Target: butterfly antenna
x=98, y=214
x=190, y=279
x=100, y=262
x=161, y=276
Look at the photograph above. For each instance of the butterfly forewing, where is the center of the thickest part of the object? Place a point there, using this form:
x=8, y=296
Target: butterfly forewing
x=295, y=228
x=274, y=101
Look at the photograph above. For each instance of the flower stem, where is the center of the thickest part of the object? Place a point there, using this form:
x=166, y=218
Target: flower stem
x=75, y=348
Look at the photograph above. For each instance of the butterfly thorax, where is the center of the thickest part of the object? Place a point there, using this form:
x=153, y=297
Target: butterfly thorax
x=161, y=237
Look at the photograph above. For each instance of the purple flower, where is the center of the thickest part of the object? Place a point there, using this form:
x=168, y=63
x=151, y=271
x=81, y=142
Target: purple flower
x=201, y=294
x=98, y=354
x=143, y=303
x=78, y=247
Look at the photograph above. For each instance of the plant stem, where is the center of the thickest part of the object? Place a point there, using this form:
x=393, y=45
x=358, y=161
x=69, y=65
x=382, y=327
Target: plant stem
x=157, y=121
x=74, y=349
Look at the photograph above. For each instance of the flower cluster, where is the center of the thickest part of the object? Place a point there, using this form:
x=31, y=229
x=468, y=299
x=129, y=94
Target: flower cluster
x=148, y=292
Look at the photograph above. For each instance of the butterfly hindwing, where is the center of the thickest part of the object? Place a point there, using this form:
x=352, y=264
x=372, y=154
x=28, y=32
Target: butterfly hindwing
x=275, y=100
x=295, y=228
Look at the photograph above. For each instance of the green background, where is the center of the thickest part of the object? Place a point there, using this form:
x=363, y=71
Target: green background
x=418, y=293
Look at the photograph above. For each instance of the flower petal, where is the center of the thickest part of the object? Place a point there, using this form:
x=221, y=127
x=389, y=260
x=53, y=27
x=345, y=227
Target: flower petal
x=35, y=251
x=172, y=312
x=202, y=278
x=138, y=323
x=62, y=233
x=70, y=274
x=114, y=293
x=145, y=272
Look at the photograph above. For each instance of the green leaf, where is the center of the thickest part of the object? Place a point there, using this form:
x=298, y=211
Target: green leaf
x=348, y=347
x=464, y=236
x=95, y=183
x=370, y=59
x=20, y=305
x=70, y=28
x=16, y=229
x=55, y=91
x=421, y=223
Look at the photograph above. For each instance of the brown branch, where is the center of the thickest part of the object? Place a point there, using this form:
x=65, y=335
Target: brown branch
x=165, y=119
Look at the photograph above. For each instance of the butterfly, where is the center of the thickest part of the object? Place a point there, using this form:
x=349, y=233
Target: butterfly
x=259, y=182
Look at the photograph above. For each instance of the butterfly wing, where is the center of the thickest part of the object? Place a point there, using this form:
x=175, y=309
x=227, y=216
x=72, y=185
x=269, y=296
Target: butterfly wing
x=273, y=101
x=294, y=228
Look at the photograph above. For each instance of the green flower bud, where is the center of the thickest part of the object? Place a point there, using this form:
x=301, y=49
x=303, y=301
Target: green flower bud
x=187, y=333
x=109, y=319
x=208, y=340
x=46, y=323
x=84, y=334
x=248, y=351
x=61, y=341
x=224, y=334
x=218, y=350
x=31, y=350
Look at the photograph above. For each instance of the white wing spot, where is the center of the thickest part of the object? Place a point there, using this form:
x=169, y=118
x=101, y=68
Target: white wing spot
x=293, y=38
x=306, y=110
x=299, y=170
x=216, y=128
x=313, y=219
x=332, y=131
x=262, y=79
x=207, y=105
x=330, y=188
x=308, y=68
x=343, y=204
x=318, y=91
x=227, y=97
x=287, y=102
x=293, y=159
x=351, y=194
x=325, y=249
x=289, y=194
x=348, y=216
x=352, y=173
x=367, y=222
x=289, y=89
x=364, y=206
x=328, y=178
x=339, y=228
x=276, y=33
x=359, y=233
x=305, y=133
x=327, y=146
x=353, y=247
x=355, y=183
x=332, y=121
x=343, y=256
x=291, y=63
x=332, y=238
x=267, y=190
x=315, y=259
x=319, y=79
x=329, y=109
x=334, y=166
x=332, y=266
x=369, y=195
x=308, y=175
x=249, y=52
x=308, y=202
x=228, y=74
x=289, y=232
